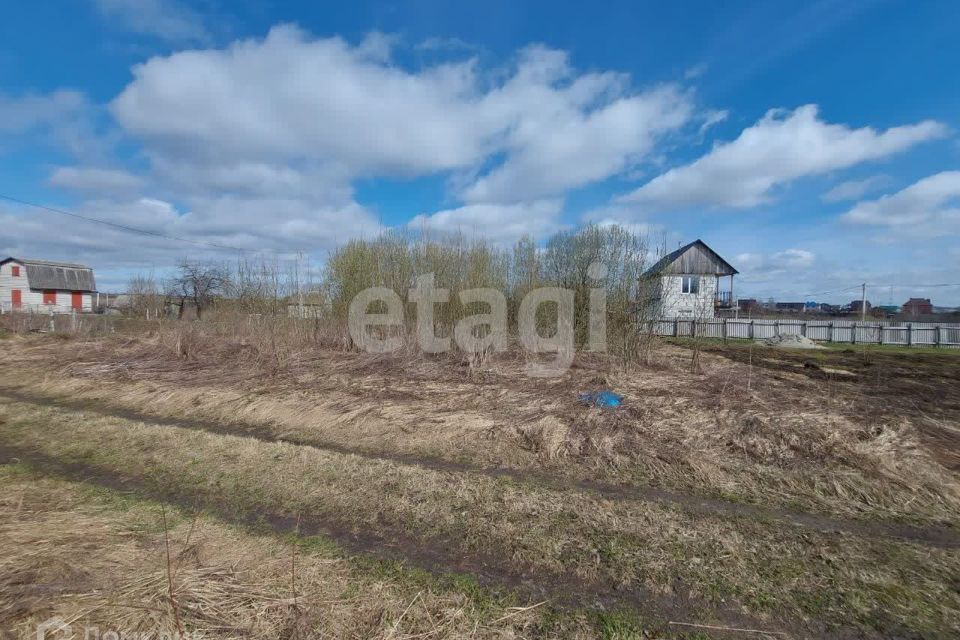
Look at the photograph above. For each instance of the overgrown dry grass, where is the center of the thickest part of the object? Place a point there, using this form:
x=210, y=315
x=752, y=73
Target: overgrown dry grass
x=831, y=433
x=97, y=559
x=788, y=440
x=567, y=539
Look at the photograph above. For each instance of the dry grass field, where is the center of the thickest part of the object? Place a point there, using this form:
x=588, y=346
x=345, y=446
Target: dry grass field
x=181, y=479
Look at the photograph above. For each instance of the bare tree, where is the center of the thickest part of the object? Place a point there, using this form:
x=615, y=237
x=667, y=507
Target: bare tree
x=256, y=287
x=609, y=256
x=647, y=313
x=143, y=295
x=703, y=313
x=199, y=283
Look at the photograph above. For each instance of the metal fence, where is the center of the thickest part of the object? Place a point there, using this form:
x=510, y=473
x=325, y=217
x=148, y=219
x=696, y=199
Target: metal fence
x=919, y=334
x=43, y=309
x=49, y=322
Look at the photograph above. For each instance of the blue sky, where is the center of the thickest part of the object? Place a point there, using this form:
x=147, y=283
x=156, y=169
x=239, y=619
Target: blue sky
x=813, y=144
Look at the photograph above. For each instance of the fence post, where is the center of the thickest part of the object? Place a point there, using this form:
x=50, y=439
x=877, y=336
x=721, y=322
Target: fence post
x=53, y=326
x=693, y=328
x=830, y=331
x=936, y=334
x=909, y=334
x=803, y=328
x=880, y=330
x=676, y=327
x=853, y=333
x=751, y=330
x=776, y=327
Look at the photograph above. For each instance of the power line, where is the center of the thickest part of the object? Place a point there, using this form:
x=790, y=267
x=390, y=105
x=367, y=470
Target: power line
x=892, y=286
x=915, y=286
x=122, y=227
x=823, y=293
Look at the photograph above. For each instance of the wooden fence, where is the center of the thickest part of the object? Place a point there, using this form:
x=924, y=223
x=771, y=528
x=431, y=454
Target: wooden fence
x=918, y=334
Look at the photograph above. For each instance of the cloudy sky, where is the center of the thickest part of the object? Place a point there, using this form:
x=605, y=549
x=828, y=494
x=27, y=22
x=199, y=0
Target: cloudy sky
x=815, y=145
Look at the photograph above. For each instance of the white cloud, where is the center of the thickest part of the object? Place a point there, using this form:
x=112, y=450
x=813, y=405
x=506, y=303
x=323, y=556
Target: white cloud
x=75, y=240
x=695, y=71
x=290, y=95
x=853, y=189
x=562, y=136
x=268, y=135
x=711, y=118
x=278, y=223
x=63, y=118
x=267, y=226
x=629, y=218
x=643, y=230
x=95, y=180
x=786, y=260
x=445, y=44
x=499, y=223
x=167, y=19
x=783, y=146
x=21, y=114
x=192, y=177
x=930, y=206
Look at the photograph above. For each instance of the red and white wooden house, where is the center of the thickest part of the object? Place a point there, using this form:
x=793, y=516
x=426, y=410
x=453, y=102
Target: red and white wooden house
x=43, y=286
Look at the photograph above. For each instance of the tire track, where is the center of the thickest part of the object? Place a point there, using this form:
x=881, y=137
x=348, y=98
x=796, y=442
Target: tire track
x=939, y=537
x=441, y=556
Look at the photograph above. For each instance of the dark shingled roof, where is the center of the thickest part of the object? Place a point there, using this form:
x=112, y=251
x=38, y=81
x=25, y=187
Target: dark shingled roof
x=42, y=274
x=693, y=258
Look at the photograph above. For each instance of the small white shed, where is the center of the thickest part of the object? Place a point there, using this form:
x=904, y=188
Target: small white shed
x=44, y=286
x=686, y=283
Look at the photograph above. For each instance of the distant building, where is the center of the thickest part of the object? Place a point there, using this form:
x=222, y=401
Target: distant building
x=311, y=305
x=791, y=307
x=820, y=307
x=686, y=283
x=40, y=285
x=855, y=306
x=748, y=305
x=887, y=310
x=917, y=307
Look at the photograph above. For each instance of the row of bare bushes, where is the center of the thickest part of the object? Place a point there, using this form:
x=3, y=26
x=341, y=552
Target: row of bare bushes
x=279, y=308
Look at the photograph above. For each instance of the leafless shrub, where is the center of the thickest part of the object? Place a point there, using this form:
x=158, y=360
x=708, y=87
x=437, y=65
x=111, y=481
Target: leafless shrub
x=610, y=259
x=198, y=282
x=144, y=298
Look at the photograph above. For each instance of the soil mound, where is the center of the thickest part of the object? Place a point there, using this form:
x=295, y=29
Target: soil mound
x=790, y=341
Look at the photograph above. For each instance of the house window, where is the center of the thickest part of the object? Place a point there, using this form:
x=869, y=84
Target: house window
x=49, y=297
x=690, y=284
x=16, y=271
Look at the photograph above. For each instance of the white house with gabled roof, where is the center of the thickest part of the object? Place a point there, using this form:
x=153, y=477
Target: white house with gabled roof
x=44, y=286
x=686, y=283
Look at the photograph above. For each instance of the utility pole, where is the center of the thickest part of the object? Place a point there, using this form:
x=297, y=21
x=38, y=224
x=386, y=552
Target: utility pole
x=863, y=303
x=299, y=288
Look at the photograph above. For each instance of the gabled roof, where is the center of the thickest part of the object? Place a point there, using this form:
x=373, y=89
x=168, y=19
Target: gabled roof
x=64, y=276
x=694, y=258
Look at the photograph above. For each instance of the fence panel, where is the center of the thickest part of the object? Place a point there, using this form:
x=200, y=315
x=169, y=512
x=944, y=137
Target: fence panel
x=848, y=331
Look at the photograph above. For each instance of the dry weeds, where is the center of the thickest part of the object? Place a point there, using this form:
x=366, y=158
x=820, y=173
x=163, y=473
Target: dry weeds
x=766, y=568
x=790, y=440
x=94, y=561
